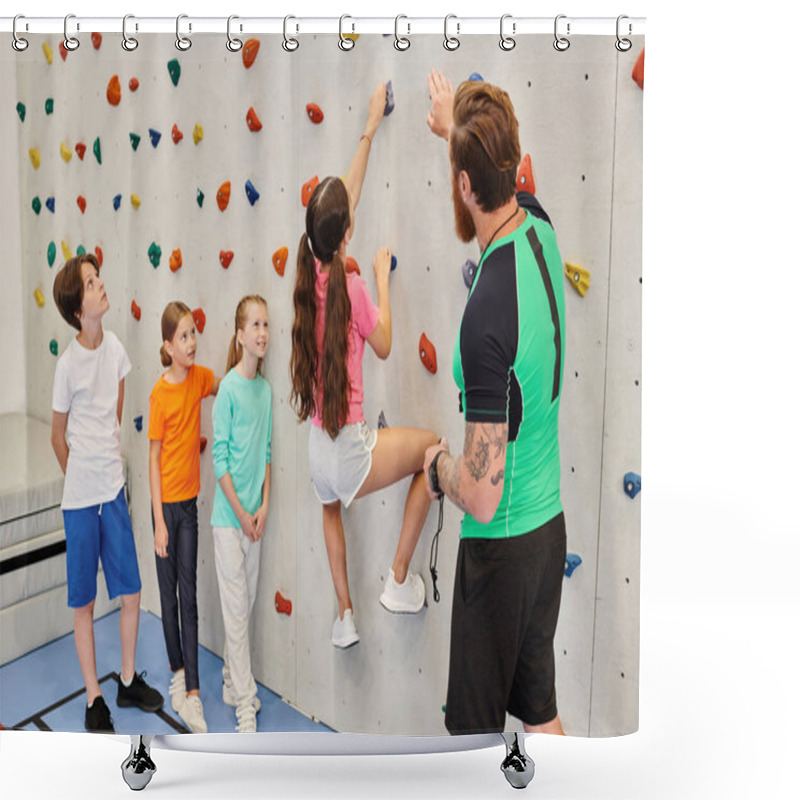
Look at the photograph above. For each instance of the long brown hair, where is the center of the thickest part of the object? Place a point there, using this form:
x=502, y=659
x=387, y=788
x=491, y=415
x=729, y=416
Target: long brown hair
x=234, y=348
x=170, y=319
x=327, y=221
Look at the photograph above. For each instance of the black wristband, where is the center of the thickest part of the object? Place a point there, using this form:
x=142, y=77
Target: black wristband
x=433, y=475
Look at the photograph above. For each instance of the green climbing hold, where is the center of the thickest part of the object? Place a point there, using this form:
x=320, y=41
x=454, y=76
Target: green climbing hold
x=135, y=139
x=54, y=347
x=81, y=251
x=96, y=150
x=154, y=254
x=21, y=110
x=174, y=71
x=36, y=205
x=48, y=105
x=51, y=254
x=200, y=197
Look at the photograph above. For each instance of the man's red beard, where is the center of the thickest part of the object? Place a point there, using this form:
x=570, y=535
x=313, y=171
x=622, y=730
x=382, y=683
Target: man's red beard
x=465, y=227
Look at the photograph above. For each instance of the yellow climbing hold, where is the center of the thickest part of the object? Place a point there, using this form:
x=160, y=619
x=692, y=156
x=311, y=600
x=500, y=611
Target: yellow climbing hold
x=35, y=157
x=197, y=133
x=135, y=201
x=578, y=277
x=38, y=297
x=66, y=153
x=48, y=52
x=66, y=251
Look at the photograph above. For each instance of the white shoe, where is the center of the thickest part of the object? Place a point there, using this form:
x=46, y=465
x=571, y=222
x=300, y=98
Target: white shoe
x=246, y=717
x=403, y=598
x=177, y=690
x=192, y=714
x=344, y=630
x=228, y=697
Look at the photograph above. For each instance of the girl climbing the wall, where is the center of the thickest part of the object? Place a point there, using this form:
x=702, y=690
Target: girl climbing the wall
x=242, y=443
x=334, y=317
x=174, y=434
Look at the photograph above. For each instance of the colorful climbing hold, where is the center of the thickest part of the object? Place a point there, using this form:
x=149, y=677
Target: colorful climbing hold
x=114, y=91
x=632, y=483
x=136, y=310
x=252, y=193
x=200, y=197
x=468, y=270
x=38, y=297
x=174, y=69
x=51, y=254
x=96, y=150
x=36, y=205
x=176, y=134
x=427, y=352
x=99, y=254
x=249, y=52
x=572, y=563
x=48, y=105
x=476, y=76
x=81, y=203
x=282, y=605
x=97, y=40
x=199, y=317
x=66, y=153
x=66, y=252
x=51, y=204
x=176, y=260
x=197, y=133
x=81, y=251
x=54, y=347
x=133, y=84
x=36, y=158
x=62, y=50
x=394, y=262
x=638, y=71
x=225, y=258
x=136, y=201
x=137, y=421
x=224, y=195
x=525, y=176
x=203, y=443
x=389, y=107
x=80, y=149
x=308, y=190
x=578, y=278
x=351, y=265
x=155, y=136
x=21, y=110
x=135, y=139
x=314, y=113
x=382, y=423
x=154, y=254
x=48, y=52
x=253, y=122
x=117, y=201
x=279, y=258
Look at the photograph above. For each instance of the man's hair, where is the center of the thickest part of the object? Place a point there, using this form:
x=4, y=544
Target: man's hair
x=484, y=142
x=68, y=288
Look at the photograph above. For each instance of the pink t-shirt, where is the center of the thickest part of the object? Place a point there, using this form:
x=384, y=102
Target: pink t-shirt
x=363, y=319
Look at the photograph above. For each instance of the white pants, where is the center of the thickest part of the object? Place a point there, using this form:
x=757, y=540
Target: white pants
x=237, y=560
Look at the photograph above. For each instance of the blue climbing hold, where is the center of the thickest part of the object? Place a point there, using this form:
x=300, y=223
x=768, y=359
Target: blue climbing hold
x=252, y=194
x=155, y=136
x=117, y=201
x=476, y=76
x=573, y=562
x=394, y=262
x=389, y=107
x=137, y=421
x=468, y=270
x=51, y=204
x=632, y=484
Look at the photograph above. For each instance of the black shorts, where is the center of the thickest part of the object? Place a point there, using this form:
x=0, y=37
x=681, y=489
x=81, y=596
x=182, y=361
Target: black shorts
x=505, y=608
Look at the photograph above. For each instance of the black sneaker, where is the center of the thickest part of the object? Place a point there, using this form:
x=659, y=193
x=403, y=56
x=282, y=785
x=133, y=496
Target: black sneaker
x=139, y=694
x=98, y=717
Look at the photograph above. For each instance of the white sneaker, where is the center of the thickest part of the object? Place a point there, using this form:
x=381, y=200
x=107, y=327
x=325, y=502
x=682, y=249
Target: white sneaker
x=228, y=697
x=403, y=598
x=344, y=630
x=177, y=690
x=246, y=717
x=192, y=714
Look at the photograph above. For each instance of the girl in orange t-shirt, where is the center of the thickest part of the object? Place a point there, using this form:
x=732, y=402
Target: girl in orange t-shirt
x=174, y=433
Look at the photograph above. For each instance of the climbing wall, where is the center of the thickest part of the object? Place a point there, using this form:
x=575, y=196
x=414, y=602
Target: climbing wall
x=197, y=152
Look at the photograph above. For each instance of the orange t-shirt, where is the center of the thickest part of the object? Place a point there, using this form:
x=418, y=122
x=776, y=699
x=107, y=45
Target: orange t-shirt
x=175, y=422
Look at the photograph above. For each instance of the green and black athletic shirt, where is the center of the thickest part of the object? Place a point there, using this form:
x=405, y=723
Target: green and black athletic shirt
x=509, y=363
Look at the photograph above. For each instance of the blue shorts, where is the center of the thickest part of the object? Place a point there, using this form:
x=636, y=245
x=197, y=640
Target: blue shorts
x=101, y=532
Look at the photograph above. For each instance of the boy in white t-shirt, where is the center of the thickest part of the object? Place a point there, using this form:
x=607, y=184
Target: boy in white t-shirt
x=88, y=391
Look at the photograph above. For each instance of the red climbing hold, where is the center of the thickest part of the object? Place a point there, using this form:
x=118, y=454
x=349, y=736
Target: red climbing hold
x=427, y=352
x=224, y=195
x=308, y=189
x=99, y=253
x=97, y=40
x=351, y=265
x=199, y=317
x=638, y=71
x=525, y=176
x=314, y=113
x=176, y=134
x=133, y=84
x=225, y=258
x=80, y=149
x=249, y=52
x=282, y=605
x=253, y=122
x=82, y=203
x=176, y=260
x=114, y=91
x=63, y=50
x=135, y=310
x=203, y=443
x=279, y=258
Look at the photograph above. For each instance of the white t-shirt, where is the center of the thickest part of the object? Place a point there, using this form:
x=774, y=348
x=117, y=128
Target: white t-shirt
x=86, y=386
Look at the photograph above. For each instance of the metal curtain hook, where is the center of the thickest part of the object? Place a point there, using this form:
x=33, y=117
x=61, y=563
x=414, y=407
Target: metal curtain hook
x=401, y=42
x=18, y=43
x=623, y=45
x=507, y=42
x=345, y=42
x=183, y=43
x=289, y=44
x=561, y=43
x=129, y=43
x=451, y=42
x=233, y=44
x=70, y=42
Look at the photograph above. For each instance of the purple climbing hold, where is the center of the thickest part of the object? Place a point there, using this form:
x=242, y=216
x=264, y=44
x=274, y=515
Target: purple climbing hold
x=389, y=107
x=155, y=136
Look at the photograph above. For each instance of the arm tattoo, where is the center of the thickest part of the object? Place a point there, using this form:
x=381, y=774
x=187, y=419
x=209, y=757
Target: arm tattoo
x=498, y=477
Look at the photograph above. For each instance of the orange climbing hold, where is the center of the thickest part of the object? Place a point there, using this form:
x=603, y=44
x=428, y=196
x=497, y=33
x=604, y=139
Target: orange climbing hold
x=80, y=149
x=99, y=253
x=203, y=443
x=279, y=258
x=176, y=260
x=199, y=317
x=249, y=52
x=133, y=84
x=525, y=176
x=63, y=50
x=427, y=352
x=114, y=91
x=314, y=113
x=224, y=195
x=282, y=605
x=225, y=258
x=176, y=134
x=253, y=122
x=308, y=189
x=638, y=71
x=97, y=40
x=81, y=203
x=135, y=310
x=351, y=265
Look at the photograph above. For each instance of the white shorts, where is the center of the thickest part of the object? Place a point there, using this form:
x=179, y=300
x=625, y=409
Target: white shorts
x=340, y=466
